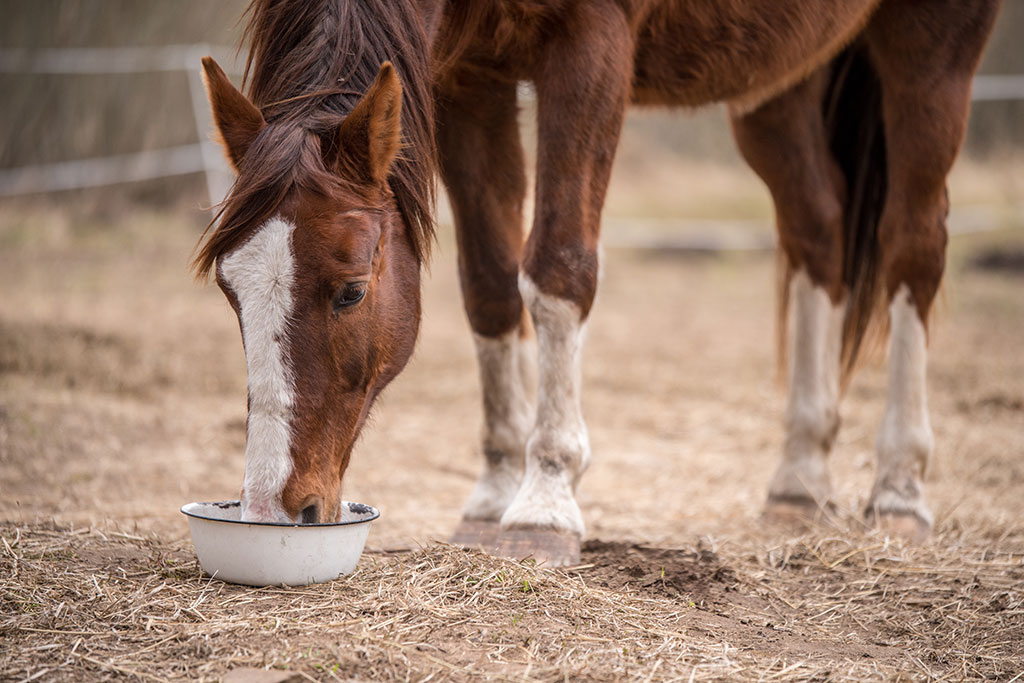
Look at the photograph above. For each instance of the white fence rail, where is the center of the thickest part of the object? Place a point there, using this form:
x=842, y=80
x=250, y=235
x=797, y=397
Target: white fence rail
x=111, y=170
x=111, y=60
x=202, y=157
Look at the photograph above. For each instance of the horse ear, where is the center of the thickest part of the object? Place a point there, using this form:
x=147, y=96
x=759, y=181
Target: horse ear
x=238, y=121
x=369, y=138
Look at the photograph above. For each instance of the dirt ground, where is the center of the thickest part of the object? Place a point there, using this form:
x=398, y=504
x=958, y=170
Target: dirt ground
x=122, y=396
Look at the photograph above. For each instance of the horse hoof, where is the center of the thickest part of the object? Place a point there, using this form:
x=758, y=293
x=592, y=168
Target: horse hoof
x=794, y=512
x=546, y=547
x=906, y=525
x=476, y=533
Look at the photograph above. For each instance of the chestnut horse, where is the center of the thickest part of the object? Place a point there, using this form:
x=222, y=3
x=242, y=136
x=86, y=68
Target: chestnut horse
x=852, y=112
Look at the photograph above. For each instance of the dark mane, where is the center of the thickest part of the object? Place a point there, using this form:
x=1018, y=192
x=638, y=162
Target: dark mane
x=309, y=63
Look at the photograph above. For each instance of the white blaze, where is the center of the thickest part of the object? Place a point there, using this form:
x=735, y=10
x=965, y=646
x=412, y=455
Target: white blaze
x=261, y=273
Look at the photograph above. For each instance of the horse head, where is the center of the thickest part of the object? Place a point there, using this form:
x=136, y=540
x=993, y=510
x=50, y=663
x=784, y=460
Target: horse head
x=317, y=262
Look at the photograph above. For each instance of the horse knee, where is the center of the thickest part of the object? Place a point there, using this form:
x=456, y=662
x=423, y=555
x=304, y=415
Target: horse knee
x=566, y=273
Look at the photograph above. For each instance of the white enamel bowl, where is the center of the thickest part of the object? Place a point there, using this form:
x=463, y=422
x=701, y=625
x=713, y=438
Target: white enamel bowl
x=264, y=554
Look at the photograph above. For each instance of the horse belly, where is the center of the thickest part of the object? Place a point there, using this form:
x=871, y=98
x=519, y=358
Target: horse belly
x=694, y=52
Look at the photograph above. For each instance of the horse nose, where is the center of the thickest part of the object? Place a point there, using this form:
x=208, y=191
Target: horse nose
x=263, y=510
x=311, y=512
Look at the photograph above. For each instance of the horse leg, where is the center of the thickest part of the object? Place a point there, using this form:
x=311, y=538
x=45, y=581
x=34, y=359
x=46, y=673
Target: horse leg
x=581, y=100
x=785, y=142
x=483, y=169
x=924, y=110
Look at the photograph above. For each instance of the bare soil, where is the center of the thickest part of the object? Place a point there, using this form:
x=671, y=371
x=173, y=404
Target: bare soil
x=122, y=396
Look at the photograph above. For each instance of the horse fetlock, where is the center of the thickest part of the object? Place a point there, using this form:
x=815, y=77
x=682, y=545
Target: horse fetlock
x=545, y=501
x=504, y=446
x=558, y=451
x=811, y=427
x=897, y=499
x=803, y=472
x=506, y=441
x=902, y=448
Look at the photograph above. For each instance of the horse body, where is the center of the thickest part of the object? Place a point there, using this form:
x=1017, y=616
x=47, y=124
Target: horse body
x=697, y=52
x=851, y=111
x=855, y=149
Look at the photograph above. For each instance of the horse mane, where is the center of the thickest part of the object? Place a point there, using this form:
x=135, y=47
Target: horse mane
x=309, y=63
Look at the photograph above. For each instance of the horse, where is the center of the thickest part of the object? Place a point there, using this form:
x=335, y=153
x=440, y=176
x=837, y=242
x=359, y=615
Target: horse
x=851, y=111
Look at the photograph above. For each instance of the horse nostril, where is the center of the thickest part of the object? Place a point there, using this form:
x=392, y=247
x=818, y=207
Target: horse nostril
x=311, y=514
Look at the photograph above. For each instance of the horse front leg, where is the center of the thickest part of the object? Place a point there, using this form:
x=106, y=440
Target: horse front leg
x=482, y=166
x=582, y=87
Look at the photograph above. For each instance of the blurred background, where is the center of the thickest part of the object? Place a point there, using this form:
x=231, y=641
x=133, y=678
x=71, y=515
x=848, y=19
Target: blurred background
x=122, y=382
x=106, y=80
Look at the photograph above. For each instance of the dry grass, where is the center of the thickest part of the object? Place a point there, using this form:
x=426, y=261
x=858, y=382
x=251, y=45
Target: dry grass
x=84, y=603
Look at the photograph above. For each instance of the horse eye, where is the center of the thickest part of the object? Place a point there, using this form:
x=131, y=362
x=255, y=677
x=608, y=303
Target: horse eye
x=350, y=294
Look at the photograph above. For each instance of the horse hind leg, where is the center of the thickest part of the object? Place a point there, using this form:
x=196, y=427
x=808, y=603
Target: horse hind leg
x=925, y=104
x=482, y=166
x=801, y=488
x=785, y=142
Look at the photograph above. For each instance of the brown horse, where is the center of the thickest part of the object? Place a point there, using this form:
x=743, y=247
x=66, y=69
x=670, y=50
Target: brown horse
x=852, y=111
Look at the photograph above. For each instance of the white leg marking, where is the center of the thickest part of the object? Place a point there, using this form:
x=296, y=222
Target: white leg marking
x=812, y=403
x=559, y=449
x=261, y=273
x=527, y=351
x=905, y=441
x=508, y=416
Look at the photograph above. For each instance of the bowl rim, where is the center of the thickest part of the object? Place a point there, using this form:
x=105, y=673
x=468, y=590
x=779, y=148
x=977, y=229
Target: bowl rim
x=287, y=525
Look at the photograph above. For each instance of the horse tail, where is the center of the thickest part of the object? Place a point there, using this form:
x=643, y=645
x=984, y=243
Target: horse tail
x=852, y=111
